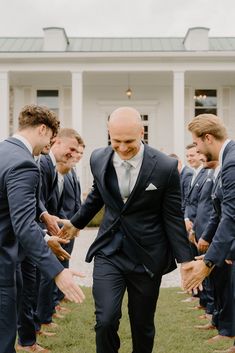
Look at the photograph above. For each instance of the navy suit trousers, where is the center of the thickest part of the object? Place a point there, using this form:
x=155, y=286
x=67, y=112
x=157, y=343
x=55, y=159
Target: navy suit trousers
x=45, y=307
x=26, y=326
x=112, y=276
x=224, y=318
x=8, y=319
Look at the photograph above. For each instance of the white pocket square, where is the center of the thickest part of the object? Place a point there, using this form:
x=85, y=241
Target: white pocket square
x=151, y=187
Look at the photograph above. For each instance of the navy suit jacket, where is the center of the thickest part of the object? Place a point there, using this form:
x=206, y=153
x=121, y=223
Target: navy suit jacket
x=193, y=196
x=152, y=221
x=49, y=193
x=71, y=196
x=225, y=233
x=213, y=222
x=205, y=206
x=19, y=184
x=185, y=180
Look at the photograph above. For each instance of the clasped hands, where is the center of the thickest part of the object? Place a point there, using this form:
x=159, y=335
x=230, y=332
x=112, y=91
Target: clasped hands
x=57, y=237
x=64, y=280
x=193, y=273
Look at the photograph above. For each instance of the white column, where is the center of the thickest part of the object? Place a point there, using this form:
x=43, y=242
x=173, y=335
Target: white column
x=77, y=123
x=77, y=102
x=178, y=114
x=4, y=105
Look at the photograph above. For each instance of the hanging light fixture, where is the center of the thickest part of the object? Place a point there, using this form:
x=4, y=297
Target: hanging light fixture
x=128, y=91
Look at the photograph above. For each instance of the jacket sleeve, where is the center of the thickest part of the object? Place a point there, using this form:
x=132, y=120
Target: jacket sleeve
x=211, y=227
x=173, y=219
x=22, y=183
x=225, y=233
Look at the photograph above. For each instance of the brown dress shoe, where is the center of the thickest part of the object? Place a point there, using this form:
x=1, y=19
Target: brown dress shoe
x=52, y=325
x=189, y=300
x=46, y=333
x=229, y=350
x=218, y=338
x=205, y=316
x=208, y=326
x=198, y=307
x=62, y=309
x=34, y=348
x=57, y=316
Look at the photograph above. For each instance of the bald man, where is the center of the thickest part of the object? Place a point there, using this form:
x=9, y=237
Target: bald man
x=141, y=235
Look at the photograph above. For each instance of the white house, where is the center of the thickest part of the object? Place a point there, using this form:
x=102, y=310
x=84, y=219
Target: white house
x=84, y=79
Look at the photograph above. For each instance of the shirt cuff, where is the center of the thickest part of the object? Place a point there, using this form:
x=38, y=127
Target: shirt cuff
x=46, y=237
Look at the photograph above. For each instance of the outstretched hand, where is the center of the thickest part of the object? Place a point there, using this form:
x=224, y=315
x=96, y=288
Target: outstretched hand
x=203, y=245
x=54, y=244
x=193, y=273
x=68, y=231
x=65, y=282
x=51, y=223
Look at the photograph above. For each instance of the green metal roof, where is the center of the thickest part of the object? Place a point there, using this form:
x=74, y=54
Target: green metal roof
x=32, y=45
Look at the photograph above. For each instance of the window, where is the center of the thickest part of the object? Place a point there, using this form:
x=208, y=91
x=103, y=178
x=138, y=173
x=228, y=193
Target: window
x=49, y=98
x=205, y=101
x=145, y=119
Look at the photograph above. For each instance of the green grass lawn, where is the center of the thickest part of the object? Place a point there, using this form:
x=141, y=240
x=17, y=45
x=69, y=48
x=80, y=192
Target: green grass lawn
x=174, y=321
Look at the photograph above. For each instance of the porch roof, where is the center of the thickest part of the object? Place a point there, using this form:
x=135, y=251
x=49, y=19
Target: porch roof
x=112, y=45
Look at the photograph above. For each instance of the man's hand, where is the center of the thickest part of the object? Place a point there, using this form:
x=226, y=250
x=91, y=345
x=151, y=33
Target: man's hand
x=68, y=231
x=188, y=225
x=184, y=276
x=65, y=282
x=54, y=244
x=192, y=237
x=51, y=223
x=203, y=245
x=194, y=273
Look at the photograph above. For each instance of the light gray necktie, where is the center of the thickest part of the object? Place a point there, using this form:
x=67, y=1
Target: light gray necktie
x=60, y=184
x=125, y=180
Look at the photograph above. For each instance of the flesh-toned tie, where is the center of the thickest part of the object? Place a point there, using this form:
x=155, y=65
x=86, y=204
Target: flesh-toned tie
x=125, y=179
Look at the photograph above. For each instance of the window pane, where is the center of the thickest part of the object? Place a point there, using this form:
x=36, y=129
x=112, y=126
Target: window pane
x=207, y=111
x=205, y=101
x=49, y=98
x=205, y=98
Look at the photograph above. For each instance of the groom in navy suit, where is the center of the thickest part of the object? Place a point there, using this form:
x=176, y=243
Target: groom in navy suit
x=141, y=235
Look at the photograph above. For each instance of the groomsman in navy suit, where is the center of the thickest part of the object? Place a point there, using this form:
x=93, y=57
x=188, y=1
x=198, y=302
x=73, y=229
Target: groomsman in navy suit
x=71, y=202
x=64, y=149
x=210, y=136
x=204, y=210
x=19, y=185
x=27, y=291
x=186, y=174
x=194, y=192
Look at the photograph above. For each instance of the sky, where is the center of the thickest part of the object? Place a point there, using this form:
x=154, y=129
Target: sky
x=116, y=18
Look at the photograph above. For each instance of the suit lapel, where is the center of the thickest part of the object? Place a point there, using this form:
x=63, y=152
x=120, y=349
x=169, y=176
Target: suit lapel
x=198, y=177
x=106, y=175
